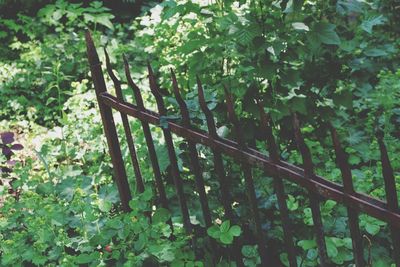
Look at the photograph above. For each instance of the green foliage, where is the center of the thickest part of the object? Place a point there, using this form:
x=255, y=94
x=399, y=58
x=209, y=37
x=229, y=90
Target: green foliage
x=225, y=233
x=335, y=63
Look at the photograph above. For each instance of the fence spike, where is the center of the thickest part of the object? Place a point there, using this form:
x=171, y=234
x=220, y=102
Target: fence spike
x=132, y=84
x=149, y=139
x=182, y=105
x=156, y=92
x=218, y=162
x=108, y=124
x=251, y=193
x=342, y=162
x=207, y=112
x=314, y=199
x=127, y=128
x=219, y=168
x=194, y=159
x=171, y=152
x=266, y=128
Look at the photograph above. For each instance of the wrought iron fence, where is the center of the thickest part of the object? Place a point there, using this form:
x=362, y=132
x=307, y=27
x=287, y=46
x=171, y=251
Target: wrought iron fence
x=318, y=188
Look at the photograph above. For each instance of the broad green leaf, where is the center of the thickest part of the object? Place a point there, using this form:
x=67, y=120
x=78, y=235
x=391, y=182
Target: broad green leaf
x=307, y=244
x=284, y=259
x=147, y=194
x=225, y=226
x=214, y=231
x=226, y=238
x=104, y=205
x=375, y=52
x=372, y=229
x=105, y=21
x=348, y=46
x=141, y=242
x=326, y=33
x=86, y=258
x=368, y=24
x=161, y=215
x=331, y=248
x=162, y=155
x=235, y=230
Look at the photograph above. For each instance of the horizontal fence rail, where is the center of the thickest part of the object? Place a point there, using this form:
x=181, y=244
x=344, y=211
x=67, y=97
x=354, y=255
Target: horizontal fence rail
x=317, y=188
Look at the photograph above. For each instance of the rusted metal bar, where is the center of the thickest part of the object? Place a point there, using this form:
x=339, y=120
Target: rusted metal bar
x=127, y=128
x=149, y=139
x=314, y=198
x=342, y=162
x=194, y=159
x=251, y=193
x=108, y=124
x=218, y=162
x=171, y=152
x=391, y=193
x=266, y=129
x=318, y=185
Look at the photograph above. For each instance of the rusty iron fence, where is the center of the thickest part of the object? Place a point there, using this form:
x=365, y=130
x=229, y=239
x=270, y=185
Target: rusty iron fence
x=318, y=188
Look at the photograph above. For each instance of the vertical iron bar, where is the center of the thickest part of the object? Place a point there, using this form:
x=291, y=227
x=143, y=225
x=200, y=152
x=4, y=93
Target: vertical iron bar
x=219, y=169
x=218, y=162
x=108, y=124
x=127, y=128
x=194, y=159
x=148, y=137
x=171, y=152
x=342, y=162
x=266, y=129
x=314, y=198
x=251, y=193
x=391, y=193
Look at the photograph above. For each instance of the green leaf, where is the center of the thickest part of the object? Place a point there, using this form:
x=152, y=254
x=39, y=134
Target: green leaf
x=162, y=155
x=348, y=46
x=147, y=195
x=300, y=26
x=214, y=231
x=161, y=215
x=375, y=52
x=104, y=205
x=331, y=248
x=370, y=22
x=372, y=229
x=45, y=188
x=141, y=242
x=225, y=226
x=105, y=21
x=307, y=244
x=326, y=33
x=284, y=259
x=226, y=238
x=292, y=203
x=355, y=137
x=235, y=230
x=86, y=258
